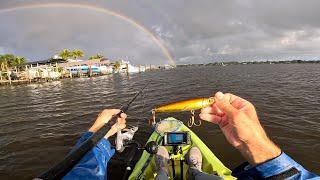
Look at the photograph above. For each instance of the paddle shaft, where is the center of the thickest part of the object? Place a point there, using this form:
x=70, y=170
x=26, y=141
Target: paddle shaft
x=63, y=167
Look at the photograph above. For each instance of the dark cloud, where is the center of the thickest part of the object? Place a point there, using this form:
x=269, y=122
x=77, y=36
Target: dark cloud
x=194, y=31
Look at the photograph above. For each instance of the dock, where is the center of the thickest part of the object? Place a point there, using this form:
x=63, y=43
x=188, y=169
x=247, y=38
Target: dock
x=35, y=72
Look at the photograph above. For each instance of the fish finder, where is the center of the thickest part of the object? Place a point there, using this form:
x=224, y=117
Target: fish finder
x=176, y=138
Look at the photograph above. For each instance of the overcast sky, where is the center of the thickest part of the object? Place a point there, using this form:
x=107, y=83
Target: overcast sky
x=194, y=31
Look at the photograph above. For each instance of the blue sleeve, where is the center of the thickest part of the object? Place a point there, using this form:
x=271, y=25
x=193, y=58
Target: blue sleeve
x=94, y=164
x=281, y=167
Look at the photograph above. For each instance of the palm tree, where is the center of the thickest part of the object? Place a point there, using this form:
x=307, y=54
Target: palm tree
x=97, y=56
x=2, y=63
x=77, y=53
x=18, y=61
x=65, y=54
x=117, y=65
x=6, y=60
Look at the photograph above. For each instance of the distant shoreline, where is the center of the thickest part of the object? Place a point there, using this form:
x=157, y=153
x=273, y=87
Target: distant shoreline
x=222, y=63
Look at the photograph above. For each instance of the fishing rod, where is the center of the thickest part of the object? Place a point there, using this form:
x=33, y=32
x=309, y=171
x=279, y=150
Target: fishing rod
x=63, y=167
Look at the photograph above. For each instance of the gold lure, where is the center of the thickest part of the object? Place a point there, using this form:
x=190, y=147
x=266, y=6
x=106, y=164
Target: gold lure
x=186, y=105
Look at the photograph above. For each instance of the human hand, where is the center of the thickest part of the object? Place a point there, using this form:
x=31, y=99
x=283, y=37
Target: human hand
x=121, y=124
x=239, y=123
x=105, y=116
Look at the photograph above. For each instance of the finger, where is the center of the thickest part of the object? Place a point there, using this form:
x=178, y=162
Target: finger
x=114, y=129
x=121, y=121
x=217, y=110
x=211, y=118
x=208, y=109
x=111, y=111
x=213, y=109
x=108, y=113
x=118, y=126
x=223, y=102
x=123, y=115
x=237, y=101
x=121, y=126
x=232, y=97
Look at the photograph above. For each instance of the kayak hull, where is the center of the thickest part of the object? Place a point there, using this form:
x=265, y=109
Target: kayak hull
x=145, y=167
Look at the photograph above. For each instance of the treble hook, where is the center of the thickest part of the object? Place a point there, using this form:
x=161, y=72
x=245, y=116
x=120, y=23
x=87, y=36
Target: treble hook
x=191, y=121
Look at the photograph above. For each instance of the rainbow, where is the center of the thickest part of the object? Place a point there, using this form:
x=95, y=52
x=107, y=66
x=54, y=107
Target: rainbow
x=104, y=10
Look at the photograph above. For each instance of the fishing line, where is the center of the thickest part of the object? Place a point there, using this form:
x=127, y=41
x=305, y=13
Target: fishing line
x=143, y=106
x=137, y=123
x=143, y=95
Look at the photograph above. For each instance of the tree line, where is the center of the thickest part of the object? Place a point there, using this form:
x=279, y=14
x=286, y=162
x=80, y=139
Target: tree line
x=8, y=61
x=75, y=54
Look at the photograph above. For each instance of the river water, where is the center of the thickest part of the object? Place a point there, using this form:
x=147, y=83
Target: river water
x=39, y=123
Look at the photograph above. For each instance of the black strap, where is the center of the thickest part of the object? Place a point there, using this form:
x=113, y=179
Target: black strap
x=284, y=175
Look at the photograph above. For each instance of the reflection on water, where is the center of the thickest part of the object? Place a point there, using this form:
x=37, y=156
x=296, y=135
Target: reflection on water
x=39, y=123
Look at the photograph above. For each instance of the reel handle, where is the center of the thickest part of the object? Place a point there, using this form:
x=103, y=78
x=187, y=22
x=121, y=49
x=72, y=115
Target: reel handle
x=151, y=147
x=123, y=137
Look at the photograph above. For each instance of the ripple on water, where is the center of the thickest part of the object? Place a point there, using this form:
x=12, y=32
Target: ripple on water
x=39, y=123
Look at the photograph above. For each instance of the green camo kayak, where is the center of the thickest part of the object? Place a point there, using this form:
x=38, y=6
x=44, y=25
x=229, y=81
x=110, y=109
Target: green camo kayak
x=145, y=167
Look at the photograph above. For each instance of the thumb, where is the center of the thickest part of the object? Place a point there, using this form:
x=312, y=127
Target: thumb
x=223, y=103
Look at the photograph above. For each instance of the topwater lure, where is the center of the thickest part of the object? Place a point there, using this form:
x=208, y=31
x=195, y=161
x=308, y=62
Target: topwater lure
x=186, y=105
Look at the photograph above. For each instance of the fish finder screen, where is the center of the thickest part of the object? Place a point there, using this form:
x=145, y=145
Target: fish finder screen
x=176, y=138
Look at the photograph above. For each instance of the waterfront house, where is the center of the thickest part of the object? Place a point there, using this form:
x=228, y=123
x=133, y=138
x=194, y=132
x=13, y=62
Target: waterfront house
x=87, y=67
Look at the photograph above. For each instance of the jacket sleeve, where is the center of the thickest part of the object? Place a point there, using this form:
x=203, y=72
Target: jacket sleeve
x=281, y=167
x=94, y=164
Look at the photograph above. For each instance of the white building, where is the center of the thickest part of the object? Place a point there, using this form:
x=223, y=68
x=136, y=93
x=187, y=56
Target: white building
x=131, y=68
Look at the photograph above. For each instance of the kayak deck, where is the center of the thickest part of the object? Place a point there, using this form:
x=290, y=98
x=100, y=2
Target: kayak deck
x=145, y=168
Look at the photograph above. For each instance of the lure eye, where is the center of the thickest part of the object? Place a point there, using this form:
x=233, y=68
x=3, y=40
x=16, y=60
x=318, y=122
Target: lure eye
x=211, y=100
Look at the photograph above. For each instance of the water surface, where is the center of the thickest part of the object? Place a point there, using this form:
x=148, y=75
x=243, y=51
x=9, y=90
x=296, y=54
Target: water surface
x=39, y=123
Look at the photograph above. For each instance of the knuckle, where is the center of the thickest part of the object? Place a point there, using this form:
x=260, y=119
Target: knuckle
x=237, y=115
x=251, y=106
x=106, y=111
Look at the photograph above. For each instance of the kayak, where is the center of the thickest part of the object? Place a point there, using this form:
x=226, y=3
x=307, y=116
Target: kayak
x=145, y=167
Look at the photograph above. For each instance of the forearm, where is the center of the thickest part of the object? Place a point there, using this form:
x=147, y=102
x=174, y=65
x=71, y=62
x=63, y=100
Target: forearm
x=239, y=122
x=268, y=161
x=112, y=131
x=281, y=167
x=259, y=151
x=94, y=164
